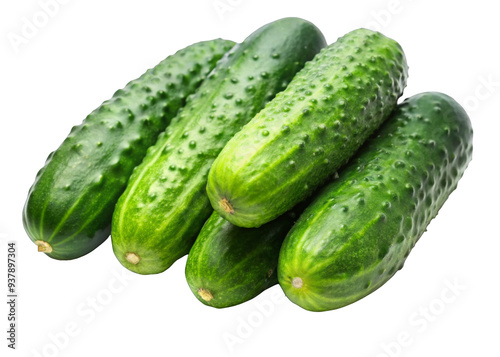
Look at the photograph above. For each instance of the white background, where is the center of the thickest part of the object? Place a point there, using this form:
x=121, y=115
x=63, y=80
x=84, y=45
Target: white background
x=88, y=49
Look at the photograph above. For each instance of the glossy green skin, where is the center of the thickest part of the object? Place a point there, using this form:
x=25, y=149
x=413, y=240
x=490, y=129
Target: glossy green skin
x=359, y=230
x=235, y=264
x=71, y=203
x=165, y=204
x=307, y=132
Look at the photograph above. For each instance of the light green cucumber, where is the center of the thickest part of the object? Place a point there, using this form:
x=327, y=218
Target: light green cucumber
x=165, y=204
x=69, y=207
x=308, y=131
x=360, y=228
x=229, y=265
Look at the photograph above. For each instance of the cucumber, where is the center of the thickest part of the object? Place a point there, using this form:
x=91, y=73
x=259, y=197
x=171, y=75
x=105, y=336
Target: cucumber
x=165, y=204
x=69, y=207
x=229, y=265
x=359, y=230
x=307, y=132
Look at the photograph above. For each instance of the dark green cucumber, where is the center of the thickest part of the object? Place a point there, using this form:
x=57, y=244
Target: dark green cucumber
x=69, y=207
x=165, y=204
x=229, y=265
x=359, y=230
x=308, y=131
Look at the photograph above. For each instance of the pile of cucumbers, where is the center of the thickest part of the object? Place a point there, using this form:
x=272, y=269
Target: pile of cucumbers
x=276, y=160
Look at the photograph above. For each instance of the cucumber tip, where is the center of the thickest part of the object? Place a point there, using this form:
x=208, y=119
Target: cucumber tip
x=297, y=282
x=226, y=206
x=43, y=247
x=205, y=294
x=132, y=258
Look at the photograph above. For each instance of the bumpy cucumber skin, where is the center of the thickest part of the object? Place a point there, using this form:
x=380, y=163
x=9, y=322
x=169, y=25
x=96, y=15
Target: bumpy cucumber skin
x=71, y=202
x=308, y=131
x=235, y=264
x=359, y=230
x=165, y=204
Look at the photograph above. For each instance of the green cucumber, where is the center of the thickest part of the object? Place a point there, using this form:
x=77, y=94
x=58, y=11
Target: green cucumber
x=165, y=204
x=308, y=131
x=229, y=265
x=69, y=207
x=359, y=230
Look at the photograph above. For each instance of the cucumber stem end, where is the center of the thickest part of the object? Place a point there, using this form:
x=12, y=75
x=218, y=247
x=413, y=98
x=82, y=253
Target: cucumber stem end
x=205, y=294
x=132, y=258
x=43, y=247
x=297, y=282
x=226, y=206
